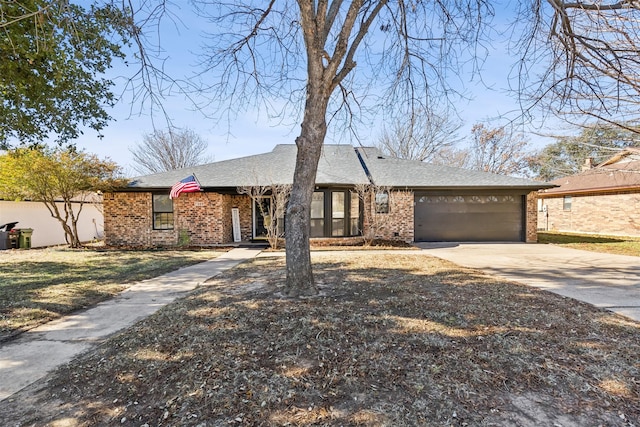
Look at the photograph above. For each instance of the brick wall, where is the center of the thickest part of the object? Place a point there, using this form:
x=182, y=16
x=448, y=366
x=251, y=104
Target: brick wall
x=531, y=221
x=205, y=219
x=613, y=214
x=243, y=203
x=199, y=219
x=398, y=223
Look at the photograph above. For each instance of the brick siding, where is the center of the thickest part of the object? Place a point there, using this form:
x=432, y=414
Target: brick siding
x=398, y=223
x=611, y=213
x=531, y=221
x=200, y=219
x=400, y=216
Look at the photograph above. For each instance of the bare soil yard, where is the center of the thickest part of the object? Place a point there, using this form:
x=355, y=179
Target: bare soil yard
x=393, y=340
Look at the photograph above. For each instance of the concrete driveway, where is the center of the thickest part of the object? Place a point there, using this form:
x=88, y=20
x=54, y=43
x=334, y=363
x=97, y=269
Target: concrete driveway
x=604, y=280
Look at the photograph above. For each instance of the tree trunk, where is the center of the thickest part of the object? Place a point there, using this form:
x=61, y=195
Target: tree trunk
x=70, y=231
x=298, y=219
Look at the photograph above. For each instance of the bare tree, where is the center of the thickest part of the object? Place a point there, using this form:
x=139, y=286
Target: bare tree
x=497, y=150
x=304, y=53
x=271, y=200
x=457, y=157
x=589, y=51
x=165, y=150
x=420, y=136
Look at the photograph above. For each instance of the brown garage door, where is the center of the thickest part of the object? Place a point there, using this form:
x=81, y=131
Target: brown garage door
x=447, y=217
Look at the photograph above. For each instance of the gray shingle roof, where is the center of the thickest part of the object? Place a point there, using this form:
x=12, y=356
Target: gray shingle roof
x=339, y=165
x=400, y=173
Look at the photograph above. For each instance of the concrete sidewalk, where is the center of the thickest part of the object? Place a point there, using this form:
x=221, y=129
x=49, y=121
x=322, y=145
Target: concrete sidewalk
x=39, y=351
x=604, y=280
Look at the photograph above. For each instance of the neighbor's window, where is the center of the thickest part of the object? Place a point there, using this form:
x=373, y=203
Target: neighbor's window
x=566, y=203
x=540, y=205
x=382, y=203
x=162, y=212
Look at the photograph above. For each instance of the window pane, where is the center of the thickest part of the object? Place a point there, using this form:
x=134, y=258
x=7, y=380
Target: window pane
x=162, y=203
x=567, y=203
x=162, y=212
x=317, y=228
x=317, y=205
x=382, y=203
x=163, y=221
x=337, y=227
x=337, y=213
x=354, y=214
x=337, y=204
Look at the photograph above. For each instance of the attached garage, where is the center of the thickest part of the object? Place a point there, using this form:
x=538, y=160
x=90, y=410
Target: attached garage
x=469, y=216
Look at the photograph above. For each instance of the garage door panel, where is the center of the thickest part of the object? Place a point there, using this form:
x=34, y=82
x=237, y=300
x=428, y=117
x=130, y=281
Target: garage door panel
x=479, y=217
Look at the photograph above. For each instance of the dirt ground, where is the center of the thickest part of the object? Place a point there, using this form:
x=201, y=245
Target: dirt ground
x=392, y=340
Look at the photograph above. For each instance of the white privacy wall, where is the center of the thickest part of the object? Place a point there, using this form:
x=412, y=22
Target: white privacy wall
x=47, y=231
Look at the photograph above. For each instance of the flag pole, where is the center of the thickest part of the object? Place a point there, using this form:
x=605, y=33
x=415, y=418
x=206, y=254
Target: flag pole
x=197, y=180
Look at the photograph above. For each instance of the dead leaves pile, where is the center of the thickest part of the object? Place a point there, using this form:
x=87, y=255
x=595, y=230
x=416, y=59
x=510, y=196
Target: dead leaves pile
x=392, y=340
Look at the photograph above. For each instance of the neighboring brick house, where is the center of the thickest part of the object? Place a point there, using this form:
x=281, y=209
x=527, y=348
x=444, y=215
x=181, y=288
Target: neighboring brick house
x=423, y=202
x=602, y=199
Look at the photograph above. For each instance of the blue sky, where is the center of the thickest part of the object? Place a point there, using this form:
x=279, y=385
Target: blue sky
x=251, y=132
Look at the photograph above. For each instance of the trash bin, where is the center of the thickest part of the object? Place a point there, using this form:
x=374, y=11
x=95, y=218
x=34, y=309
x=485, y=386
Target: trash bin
x=13, y=239
x=24, y=238
x=5, y=243
x=8, y=236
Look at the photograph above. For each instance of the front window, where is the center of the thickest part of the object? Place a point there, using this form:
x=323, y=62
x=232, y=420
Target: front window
x=337, y=213
x=317, y=214
x=355, y=214
x=162, y=212
x=567, y=203
x=382, y=203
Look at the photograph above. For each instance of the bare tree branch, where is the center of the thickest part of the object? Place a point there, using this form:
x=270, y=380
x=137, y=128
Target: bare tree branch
x=591, y=55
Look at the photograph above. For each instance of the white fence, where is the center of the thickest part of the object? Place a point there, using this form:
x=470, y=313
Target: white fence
x=47, y=230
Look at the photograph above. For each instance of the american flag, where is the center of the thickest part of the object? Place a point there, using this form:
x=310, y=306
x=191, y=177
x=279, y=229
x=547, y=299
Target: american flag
x=187, y=185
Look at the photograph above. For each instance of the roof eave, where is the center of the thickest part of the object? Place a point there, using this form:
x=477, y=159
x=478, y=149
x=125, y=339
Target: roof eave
x=603, y=190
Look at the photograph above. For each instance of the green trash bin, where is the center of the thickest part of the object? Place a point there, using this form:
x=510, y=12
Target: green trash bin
x=24, y=238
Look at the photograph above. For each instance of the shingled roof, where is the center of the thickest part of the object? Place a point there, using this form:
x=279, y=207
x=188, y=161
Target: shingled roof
x=399, y=173
x=618, y=173
x=339, y=165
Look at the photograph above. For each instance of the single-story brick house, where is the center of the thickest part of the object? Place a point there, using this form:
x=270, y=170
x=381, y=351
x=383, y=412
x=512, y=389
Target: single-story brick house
x=602, y=199
x=425, y=202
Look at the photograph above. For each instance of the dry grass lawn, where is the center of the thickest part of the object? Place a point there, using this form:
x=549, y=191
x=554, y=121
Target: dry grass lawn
x=393, y=340
x=39, y=285
x=619, y=245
